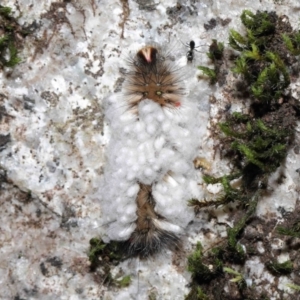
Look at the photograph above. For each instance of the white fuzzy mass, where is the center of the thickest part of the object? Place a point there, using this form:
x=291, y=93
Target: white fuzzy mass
x=154, y=147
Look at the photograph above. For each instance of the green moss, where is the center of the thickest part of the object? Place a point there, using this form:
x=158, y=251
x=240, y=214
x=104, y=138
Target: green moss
x=292, y=42
x=200, y=271
x=255, y=143
x=215, y=50
x=293, y=231
x=263, y=69
x=210, y=73
x=102, y=257
x=196, y=266
x=229, y=195
x=260, y=24
x=196, y=293
x=239, y=279
x=124, y=281
x=215, y=53
x=258, y=143
x=11, y=37
x=279, y=269
x=237, y=41
x=101, y=253
x=293, y=286
x=5, y=11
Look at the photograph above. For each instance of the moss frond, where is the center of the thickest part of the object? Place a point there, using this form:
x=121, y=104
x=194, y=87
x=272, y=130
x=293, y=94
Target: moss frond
x=292, y=42
x=210, y=73
x=199, y=270
x=215, y=50
x=241, y=66
x=278, y=269
x=98, y=250
x=260, y=23
x=254, y=53
x=293, y=286
x=237, y=41
x=5, y=11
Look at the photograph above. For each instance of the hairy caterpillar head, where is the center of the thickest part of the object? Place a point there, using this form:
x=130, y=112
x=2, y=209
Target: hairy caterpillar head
x=154, y=77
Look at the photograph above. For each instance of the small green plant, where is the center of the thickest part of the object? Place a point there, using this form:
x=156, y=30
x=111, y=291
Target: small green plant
x=199, y=270
x=292, y=42
x=237, y=41
x=5, y=11
x=123, y=282
x=294, y=232
x=293, y=286
x=102, y=256
x=260, y=23
x=215, y=50
x=11, y=37
x=215, y=53
x=278, y=269
x=101, y=253
x=210, y=73
x=239, y=279
x=196, y=294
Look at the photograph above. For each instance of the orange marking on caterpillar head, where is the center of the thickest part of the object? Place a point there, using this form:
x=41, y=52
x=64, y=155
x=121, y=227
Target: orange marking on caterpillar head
x=148, y=54
x=177, y=104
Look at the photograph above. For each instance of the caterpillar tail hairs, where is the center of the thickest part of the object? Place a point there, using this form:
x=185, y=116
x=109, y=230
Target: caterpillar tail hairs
x=154, y=76
x=149, y=237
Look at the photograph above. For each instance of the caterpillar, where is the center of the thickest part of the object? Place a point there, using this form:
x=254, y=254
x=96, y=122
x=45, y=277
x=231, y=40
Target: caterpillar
x=149, y=174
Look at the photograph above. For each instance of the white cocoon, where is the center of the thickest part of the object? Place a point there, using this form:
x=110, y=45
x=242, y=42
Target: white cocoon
x=155, y=146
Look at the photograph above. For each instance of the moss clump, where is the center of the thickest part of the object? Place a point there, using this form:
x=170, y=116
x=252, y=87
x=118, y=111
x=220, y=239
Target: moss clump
x=196, y=293
x=215, y=53
x=256, y=142
x=259, y=144
x=216, y=50
x=204, y=270
x=292, y=42
x=102, y=257
x=293, y=232
x=124, y=281
x=200, y=271
x=11, y=38
x=264, y=58
x=101, y=253
x=210, y=73
x=239, y=279
x=278, y=269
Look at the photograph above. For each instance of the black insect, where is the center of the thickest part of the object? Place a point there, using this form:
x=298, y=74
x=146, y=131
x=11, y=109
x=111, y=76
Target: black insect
x=190, y=53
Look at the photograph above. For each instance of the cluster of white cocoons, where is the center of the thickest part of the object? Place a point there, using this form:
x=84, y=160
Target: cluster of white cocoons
x=155, y=146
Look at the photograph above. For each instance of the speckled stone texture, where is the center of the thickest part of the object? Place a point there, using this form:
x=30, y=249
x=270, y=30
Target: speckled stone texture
x=53, y=138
